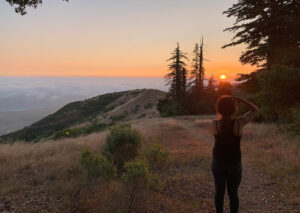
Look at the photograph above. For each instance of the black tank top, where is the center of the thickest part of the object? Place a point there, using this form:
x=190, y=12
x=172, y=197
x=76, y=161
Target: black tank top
x=227, y=145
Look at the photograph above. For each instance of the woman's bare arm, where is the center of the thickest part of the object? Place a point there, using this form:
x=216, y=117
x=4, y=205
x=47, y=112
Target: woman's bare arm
x=247, y=117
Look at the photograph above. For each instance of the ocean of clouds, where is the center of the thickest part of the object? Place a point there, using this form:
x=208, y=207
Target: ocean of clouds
x=26, y=93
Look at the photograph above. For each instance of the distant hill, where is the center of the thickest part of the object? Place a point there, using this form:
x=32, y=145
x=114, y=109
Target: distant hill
x=104, y=109
x=15, y=120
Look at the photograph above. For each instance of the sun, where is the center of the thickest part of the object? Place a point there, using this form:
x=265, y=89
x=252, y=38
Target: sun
x=223, y=77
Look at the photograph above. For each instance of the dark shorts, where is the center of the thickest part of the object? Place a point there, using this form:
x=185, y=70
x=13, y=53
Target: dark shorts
x=230, y=172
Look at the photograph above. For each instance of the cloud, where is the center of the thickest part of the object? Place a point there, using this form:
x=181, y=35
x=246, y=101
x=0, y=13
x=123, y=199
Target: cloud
x=26, y=93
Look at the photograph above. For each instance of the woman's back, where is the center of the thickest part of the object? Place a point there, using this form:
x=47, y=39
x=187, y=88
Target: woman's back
x=227, y=143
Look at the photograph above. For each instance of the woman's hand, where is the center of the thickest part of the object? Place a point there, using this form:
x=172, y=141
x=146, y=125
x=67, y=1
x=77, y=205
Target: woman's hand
x=248, y=104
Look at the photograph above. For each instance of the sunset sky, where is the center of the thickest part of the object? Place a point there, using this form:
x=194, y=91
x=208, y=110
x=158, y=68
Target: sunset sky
x=114, y=37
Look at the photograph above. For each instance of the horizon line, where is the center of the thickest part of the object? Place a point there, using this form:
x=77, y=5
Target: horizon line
x=87, y=76
x=97, y=76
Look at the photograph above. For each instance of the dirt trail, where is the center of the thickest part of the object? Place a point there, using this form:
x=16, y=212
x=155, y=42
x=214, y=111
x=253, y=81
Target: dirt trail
x=258, y=192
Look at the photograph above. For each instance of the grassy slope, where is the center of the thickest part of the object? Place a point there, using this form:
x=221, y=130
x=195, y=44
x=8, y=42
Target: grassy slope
x=70, y=114
x=110, y=107
x=48, y=177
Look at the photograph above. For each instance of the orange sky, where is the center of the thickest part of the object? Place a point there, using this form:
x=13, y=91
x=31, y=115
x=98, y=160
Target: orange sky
x=88, y=38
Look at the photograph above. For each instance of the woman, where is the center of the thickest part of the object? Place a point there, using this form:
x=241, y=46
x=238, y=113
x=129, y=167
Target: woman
x=226, y=164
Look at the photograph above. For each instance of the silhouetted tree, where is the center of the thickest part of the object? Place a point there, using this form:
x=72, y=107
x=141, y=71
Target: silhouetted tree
x=270, y=29
x=251, y=83
x=176, y=79
x=211, y=87
x=197, y=99
x=224, y=88
x=267, y=27
x=21, y=5
x=201, y=66
x=183, y=82
x=280, y=92
x=194, y=76
x=197, y=72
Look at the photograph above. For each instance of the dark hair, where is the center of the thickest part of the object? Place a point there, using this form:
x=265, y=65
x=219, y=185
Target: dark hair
x=225, y=106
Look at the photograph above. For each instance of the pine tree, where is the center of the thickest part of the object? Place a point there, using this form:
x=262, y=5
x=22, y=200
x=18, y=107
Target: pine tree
x=197, y=72
x=269, y=28
x=176, y=79
x=183, y=82
x=194, y=76
x=201, y=67
x=211, y=86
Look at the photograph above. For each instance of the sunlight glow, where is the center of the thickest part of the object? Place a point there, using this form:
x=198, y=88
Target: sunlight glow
x=223, y=77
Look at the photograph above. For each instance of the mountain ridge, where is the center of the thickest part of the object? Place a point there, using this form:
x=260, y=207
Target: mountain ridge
x=105, y=109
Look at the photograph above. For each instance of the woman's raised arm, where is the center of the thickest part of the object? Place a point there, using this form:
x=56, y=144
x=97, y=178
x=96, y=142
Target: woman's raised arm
x=247, y=117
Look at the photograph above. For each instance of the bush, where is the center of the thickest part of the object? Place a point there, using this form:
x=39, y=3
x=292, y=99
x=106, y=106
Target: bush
x=137, y=177
x=157, y=158
x=294, y=123
x=122, y=144
x=157, y=182
x=97, y=165
x=168, y=108
x=137, y=173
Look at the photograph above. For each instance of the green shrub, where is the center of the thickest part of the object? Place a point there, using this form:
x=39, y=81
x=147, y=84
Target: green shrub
x=122, y=144
x=137, y=173
x=157, y=182
x=157, y=158
x=138, y=178
x=169, y=108
x=97, y=165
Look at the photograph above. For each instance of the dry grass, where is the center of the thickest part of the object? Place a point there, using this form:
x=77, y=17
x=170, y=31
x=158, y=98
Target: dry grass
x=276, y=153
x=44, y=175
x=47, y=176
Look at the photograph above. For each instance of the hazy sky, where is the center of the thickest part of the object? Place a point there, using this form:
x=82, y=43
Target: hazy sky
x=114, y=37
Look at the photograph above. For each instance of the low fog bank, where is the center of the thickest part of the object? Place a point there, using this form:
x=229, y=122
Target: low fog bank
x=27, y=93
x=24, y=100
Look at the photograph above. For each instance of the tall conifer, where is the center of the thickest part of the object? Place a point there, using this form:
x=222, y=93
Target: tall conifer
x=176, y=78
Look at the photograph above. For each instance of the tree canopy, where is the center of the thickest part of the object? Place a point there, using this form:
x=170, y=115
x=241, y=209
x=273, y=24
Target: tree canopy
x=269, y=28
x=176, y=78
x=21, y=5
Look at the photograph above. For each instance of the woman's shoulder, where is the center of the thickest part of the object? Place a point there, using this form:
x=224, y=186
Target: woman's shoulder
x=214, y=126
